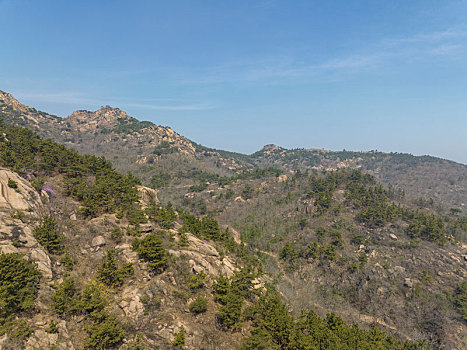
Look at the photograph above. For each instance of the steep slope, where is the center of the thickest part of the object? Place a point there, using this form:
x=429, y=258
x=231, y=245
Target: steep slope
x=341, y=242
x=151, y=151
x=90, y=259
x=396, y=253
x=140, y=147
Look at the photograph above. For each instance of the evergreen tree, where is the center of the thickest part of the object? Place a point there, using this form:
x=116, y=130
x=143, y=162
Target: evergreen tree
x=48, y=235
x=18, y=284
x=110, y=274
x=151, y=250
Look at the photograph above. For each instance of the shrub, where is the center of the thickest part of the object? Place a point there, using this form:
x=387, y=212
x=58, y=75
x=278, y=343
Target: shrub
x=353, y=266
x=38, y=183
x=65, y=298
x=92, y=301
x=230, y=313
x=110, y=274
x=47, y=234
x=198, y=306
x=12, y=184
x=135, y=215
x=330, y=252
x=18, y=284
x=151, y=250
x=159, y=180
x=179, y=340
x=22, y=330
x=288, y=252
x=116, y=234
x=104, y=332
x=460, y=299
x=183, y=240
x=138, y=343
x=221, y=289
x=68, y=261
x=52, y=327
x=363, y=258
x=197, y=281
x=358, y=238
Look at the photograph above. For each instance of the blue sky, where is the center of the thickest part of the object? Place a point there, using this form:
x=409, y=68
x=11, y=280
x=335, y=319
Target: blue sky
x=236, y=75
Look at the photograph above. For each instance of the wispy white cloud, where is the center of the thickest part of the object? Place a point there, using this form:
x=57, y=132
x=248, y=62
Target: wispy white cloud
x=182, y=107
x=433, y=37
x=447, y=44
x=77, y=99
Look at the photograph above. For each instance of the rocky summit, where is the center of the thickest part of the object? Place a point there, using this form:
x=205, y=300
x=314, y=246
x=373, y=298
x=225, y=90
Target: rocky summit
x=118, y=233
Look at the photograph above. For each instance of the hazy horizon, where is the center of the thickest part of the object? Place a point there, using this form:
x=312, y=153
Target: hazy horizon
x=236, y=76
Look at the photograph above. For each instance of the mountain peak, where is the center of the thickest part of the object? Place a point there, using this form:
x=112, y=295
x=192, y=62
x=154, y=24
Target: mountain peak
x=104, y=116
x=270, y=148
x=8, y=99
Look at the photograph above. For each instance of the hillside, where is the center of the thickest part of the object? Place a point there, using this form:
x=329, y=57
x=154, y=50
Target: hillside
x=90, y=259
x=378, y=239
x=147, y=149
x=341, y=242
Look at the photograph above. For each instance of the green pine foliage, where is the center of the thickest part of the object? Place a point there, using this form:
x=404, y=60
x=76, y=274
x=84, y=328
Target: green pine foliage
x=65, y=300
x=374, y=202
x=48, y=235
x=89, y=179
x=18, y=285
x=231, y=295
x=68, y=261
x=110, y=273
x=428, y=227
x=197, y=281
x=460, y=299
x=179, y=340
x=274, y=328
x=52, y=329
x=230, y=312
x=159, y=180
x=164, y=216
x=183, y=240
x=151, y=250
x=104, y=332
x=206, y=227
x=220, y=289
x=198, y=306
x=12, y=184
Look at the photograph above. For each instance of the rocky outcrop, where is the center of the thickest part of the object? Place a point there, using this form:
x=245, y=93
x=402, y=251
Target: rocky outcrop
x=20, y=195
x=203, y=257
x=18, y=203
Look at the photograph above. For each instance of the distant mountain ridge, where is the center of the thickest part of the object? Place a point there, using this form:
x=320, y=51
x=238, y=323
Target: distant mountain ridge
x=145, y=148
x=329, y=237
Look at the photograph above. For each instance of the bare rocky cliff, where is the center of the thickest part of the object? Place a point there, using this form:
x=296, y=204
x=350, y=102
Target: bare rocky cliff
x=153, y=306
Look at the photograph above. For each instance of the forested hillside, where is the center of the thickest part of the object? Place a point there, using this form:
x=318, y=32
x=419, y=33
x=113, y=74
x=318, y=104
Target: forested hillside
x=286, y=249
x=90, y=263
x=152, y=151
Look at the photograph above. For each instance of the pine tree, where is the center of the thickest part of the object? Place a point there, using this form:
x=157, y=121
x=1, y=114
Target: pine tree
x=48, y=235
x=151, y=250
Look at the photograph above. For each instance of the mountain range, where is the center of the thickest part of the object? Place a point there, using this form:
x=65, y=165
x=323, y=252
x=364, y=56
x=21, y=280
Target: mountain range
x=376, y=238
x=145, y=148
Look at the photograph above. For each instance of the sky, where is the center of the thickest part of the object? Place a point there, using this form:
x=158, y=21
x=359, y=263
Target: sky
x=236, y=75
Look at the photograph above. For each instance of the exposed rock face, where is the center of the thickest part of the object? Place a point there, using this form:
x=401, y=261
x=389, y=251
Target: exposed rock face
x=41, y=339
x=98, y=241
x=144, y=294
x=131, y=304
x=103, y=117
x=21, y=198
x=15, y=235
x=203, y=257
x=9, y=100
